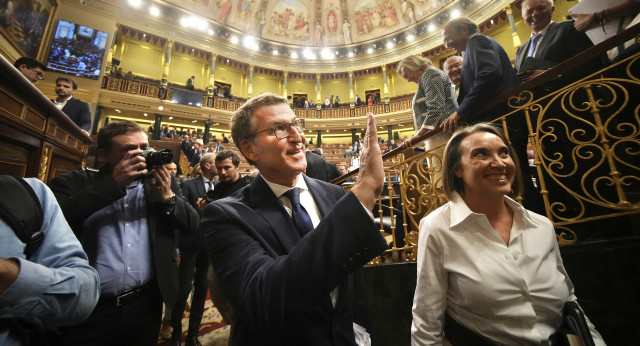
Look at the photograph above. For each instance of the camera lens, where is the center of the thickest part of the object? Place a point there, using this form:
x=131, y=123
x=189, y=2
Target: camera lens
x=157, y=158
x=209, y=196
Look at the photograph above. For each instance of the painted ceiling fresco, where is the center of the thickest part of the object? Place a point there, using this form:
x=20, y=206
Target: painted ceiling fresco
x=313, y=22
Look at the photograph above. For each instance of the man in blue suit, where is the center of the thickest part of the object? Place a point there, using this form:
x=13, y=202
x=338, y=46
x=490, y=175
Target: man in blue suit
x=78, y=111
x=486, y=73
x=486, y=70
x=287, y=248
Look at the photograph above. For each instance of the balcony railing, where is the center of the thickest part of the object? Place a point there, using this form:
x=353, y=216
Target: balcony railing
x=149, y=88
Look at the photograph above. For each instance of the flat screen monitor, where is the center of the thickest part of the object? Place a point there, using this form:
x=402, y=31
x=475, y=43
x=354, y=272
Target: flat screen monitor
x=77, y=50
x=187, y=98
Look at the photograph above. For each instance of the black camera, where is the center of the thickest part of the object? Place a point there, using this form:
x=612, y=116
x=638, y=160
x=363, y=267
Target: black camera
x=209, y=196
x=157, y=158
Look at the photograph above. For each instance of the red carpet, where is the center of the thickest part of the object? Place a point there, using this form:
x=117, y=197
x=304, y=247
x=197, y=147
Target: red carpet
x=212, y=321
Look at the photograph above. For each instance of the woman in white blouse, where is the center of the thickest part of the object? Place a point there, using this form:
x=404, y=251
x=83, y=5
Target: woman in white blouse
x=487, y=264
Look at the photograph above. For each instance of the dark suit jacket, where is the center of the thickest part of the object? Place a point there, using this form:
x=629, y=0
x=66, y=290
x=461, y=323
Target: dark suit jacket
x=280, y=284
x=79, y=112
x=559, y=43
x=486, y=73
x=83, y=192
x=316, y=166
x=193, y=189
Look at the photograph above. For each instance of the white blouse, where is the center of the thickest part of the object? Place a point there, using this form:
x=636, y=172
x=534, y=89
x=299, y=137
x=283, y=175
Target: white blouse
x=512, y=294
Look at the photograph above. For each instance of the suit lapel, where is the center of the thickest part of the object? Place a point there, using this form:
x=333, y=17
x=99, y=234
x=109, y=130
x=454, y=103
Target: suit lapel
x=323, y=203
x=200, y=186
x=547, y=39
x=522, y=54
x=267, y=205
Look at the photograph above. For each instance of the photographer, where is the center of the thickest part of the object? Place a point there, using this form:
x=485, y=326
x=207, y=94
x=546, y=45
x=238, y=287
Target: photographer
x=125, y=215
x=194, y=263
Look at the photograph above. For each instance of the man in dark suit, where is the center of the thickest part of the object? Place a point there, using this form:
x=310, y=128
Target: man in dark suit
x=554, y=43
x=191, y=83
x=287, y=249
x=78, y=111
x=194, y=262
x=486, y=73
x=486, y=70
x=126, y=216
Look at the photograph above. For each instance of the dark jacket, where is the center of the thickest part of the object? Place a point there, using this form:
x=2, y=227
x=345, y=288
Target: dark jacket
x=278, y=283
x=79, y=112
x=83, y=192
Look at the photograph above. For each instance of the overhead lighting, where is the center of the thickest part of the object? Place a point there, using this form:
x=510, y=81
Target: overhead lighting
x=294, y=55
x=117, y=111
x=160, y=108
x=410, y=37
x=250, y=43
x=154, y=10
x=389, y=44
x=369, y=50
x=455, y=14
x=275, y=52
x=234, y=40
x=326, y=54
x=145, y=114
x=135, y=3
x=170, y=118
x=431, y=27
x=350, y=54
x=210, y=32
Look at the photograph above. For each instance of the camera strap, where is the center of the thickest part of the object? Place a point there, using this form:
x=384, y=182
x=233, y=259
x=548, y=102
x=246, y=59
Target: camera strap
x=21, y=210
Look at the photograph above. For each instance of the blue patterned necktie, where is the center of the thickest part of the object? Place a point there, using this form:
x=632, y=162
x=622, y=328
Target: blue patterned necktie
x=300, y=216
x=534, y=43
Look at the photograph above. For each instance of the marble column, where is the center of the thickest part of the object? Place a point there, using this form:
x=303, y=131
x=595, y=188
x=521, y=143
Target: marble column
x=157, y=126
x=211, y=87
x=250, y=87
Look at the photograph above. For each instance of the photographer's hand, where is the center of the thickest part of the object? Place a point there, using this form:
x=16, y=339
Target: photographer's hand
x=200, y=204
x=162, y=182
x=131, y=167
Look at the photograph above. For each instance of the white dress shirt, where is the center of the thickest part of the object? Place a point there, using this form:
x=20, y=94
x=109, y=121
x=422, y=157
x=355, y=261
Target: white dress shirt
x=513, y=295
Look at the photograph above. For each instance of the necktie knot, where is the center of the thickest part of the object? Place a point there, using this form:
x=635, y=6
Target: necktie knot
x=293, y=195
x=534, y=43
x=301, y=218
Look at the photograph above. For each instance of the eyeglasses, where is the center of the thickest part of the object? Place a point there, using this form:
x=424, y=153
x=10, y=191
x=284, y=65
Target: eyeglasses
x=283, y=130
x=39, y=73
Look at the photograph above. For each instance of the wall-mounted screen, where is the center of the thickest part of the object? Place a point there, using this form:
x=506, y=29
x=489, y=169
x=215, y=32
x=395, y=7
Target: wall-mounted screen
x=77, y=50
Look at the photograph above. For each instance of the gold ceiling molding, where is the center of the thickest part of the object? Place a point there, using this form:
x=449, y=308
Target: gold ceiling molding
x=427, y=39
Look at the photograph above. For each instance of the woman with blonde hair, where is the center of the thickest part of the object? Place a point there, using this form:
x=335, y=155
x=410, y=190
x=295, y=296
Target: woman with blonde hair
x=434, y=99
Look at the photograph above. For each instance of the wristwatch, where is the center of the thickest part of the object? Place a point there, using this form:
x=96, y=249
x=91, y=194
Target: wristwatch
x=172, y=200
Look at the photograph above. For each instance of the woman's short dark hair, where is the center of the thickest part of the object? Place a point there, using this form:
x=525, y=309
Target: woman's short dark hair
x=453, y=158
x=116, y=128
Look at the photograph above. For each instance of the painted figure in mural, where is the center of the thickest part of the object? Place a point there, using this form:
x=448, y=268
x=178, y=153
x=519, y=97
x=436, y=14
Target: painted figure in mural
x=408, y=11
x=332, y=22
x=391, y=15
x=261, y=21
x=244, y=7
x=225, y=10
x=318, y=35
x=346, y=32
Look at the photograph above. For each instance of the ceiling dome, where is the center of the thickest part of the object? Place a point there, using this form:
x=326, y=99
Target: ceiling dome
x=327, y=23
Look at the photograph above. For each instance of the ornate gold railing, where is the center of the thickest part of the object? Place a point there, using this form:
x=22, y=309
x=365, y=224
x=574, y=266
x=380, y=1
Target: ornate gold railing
x=585, y=138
